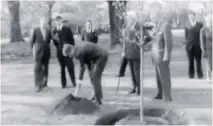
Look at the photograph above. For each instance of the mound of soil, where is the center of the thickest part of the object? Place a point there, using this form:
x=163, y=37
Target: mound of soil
x=73, y=105
x=152, y=116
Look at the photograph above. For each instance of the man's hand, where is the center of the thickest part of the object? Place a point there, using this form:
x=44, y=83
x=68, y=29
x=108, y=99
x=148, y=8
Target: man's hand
x=78, y=87
x=165, y=57
x=79, y=82
x=66, y=49
x=204, y=54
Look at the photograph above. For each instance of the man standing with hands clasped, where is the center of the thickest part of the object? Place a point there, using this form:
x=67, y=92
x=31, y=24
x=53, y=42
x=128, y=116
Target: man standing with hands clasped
x=89, y=54
x=40, y=45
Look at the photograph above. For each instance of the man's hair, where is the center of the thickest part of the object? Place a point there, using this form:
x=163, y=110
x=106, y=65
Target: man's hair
x=89, y=21
x=58, y=17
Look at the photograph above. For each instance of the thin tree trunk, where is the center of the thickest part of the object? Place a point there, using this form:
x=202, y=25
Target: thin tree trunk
x=141, y=66
x=15, y=28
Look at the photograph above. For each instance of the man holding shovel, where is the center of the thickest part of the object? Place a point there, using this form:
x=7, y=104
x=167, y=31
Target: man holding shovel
x=95, y=58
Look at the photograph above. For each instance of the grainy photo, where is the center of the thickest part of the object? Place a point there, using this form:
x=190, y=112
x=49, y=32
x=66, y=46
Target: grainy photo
x=145, y=62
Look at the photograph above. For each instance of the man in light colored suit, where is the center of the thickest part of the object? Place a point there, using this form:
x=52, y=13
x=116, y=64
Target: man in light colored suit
x=162, y=46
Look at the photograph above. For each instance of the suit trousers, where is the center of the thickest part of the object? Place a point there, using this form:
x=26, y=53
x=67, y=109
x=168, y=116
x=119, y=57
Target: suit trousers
x=195, y=53
x=66, y=62
x=209, y=63
x=123, y=66
x=96, y=75
x=134, y=65
x=163, y=79
x=41, y=72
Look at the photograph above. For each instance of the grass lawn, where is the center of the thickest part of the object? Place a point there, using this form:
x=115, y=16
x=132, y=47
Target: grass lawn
x=21, y=105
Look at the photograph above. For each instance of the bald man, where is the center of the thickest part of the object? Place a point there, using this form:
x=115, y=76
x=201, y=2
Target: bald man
x=39, y=42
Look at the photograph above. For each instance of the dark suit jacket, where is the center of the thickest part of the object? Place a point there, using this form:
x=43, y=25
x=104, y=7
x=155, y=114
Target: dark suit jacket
x=89, y=54
x=65, y=35
x=192, y=35
x=90, y=37
x=40, y=44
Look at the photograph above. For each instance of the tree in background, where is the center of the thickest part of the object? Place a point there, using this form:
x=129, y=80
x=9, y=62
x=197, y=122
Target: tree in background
x=116, y=20
x=50, y=4
x=15, y=28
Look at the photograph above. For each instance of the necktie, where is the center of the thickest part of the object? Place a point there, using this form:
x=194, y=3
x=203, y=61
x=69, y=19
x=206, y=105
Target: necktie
x=43, y=32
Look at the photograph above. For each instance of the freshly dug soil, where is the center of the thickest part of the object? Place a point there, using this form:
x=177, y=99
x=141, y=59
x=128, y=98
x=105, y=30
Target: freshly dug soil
x=152, y=116
x=73, y=105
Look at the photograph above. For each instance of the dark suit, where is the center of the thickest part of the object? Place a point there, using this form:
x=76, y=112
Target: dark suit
x=65, y=36
x=96, y=59
x=41, y=54
x=90, y=37
x=192, y=35
x=132, y=54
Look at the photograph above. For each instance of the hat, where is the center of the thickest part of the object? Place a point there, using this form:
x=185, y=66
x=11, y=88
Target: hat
x=57, y=16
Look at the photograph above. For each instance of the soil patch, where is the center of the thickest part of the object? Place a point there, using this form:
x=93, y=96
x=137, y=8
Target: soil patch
x=73, y=105
x=152, y=116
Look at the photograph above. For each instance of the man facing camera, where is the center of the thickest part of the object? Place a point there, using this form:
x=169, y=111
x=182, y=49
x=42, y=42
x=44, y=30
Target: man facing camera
x=62, y=34
x=39, y=42
x=95, y=58
x=193, y=49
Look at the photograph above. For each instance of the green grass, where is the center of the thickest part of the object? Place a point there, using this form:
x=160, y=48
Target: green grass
x=21, y=51
x=15, y=51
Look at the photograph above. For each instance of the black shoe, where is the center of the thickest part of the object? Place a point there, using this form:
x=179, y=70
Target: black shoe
x=158, y=97
x=99, y=102
x=132, y=91
x=138, y=92
x=191, y=76
x=168, y=99
x=120, y=76
x=64, y=86
x=38, y=88
x=200, y=76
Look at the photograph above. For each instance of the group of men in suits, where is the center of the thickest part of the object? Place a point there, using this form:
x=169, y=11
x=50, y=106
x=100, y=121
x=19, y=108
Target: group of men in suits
x=89, y=54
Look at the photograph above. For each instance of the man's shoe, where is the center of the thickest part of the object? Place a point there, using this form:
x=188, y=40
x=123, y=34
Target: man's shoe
x=120, y=76
x=138, y=91
x=191, y=76
x=132, y=91
x=200, y=76
x=168, y=99
x=158, y=97
x=64, y=86
x=99, y=102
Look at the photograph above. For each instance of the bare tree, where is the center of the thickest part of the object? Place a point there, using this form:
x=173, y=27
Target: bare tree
x=15, y=28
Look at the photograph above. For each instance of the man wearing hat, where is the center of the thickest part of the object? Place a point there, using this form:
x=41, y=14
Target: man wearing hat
x=62, y=34
x=193, y=49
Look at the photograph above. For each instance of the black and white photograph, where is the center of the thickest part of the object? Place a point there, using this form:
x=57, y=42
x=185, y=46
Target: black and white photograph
x=106, y=62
